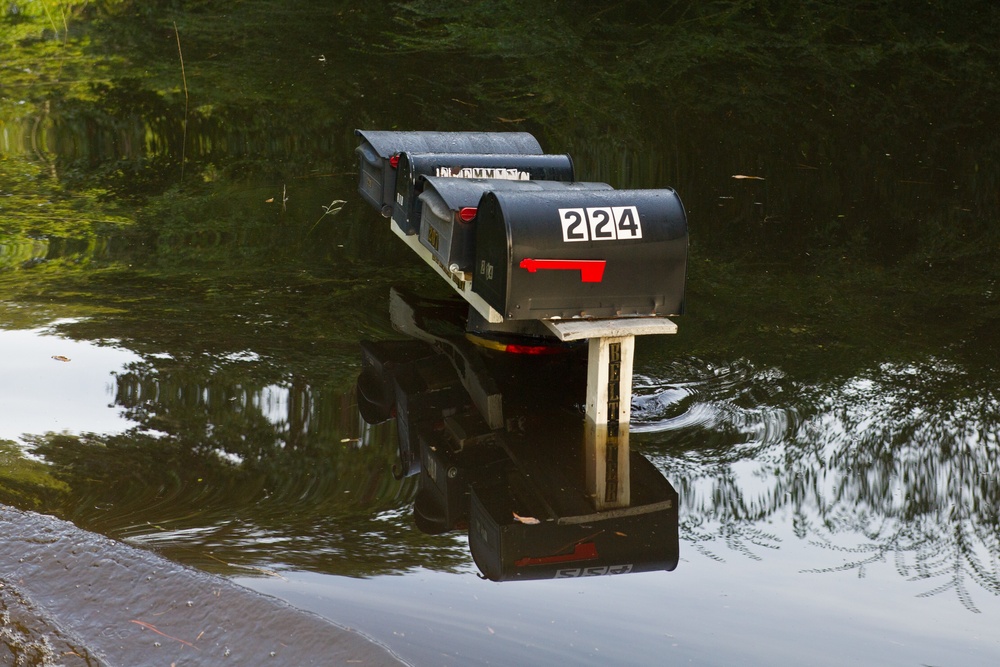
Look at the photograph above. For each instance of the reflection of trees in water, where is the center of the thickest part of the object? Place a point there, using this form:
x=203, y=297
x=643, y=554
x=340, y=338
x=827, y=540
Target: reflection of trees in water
x=904, y=457
x=955, y=550
x=25, y=482
x=916, y=448
x=234, y=472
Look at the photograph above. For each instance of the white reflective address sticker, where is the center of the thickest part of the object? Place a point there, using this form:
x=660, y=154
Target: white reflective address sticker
x=574, y=224
x=600, y=223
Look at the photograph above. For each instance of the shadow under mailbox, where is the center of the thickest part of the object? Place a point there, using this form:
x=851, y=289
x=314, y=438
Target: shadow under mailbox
x=498, y=438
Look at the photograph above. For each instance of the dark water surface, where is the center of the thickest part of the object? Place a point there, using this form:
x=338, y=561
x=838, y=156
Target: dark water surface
x=187, y=273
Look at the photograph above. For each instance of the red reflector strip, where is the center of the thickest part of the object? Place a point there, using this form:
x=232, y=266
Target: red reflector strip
x=467, y=213
x=585, y=551
x=515, y=348
x=591, y=270
x=532, y=349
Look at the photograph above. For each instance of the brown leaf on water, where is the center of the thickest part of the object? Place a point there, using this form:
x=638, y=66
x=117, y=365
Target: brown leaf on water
x=269, y=201
x=527, y=520
x=749, y=178
x=59, y=357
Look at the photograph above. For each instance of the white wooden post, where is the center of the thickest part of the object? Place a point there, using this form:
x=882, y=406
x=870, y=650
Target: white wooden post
x=609, y=379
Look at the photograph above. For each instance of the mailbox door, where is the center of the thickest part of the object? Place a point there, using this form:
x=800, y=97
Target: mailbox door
x=449, y=240
x=589, y=254
x=371, y=177
x=414, y=167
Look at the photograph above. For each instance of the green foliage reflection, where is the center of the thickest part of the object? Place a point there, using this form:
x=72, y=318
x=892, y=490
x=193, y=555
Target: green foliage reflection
x=25, y=483
x=243, y=487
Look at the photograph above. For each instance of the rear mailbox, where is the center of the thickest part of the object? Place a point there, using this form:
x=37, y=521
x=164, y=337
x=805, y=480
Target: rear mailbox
x=377, y=173
x=448, y=216
x=590, y=254
x=413, y=167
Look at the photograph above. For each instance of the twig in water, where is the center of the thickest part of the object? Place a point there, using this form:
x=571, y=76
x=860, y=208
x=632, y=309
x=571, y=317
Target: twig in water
x=332, y=209
x=184, y=135
x=149, y=626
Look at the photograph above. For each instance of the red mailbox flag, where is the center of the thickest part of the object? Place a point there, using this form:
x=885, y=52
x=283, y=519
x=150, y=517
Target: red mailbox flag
x=591, y=270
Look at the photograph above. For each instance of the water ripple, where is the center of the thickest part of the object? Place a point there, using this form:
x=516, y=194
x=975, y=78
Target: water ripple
x=747, y=403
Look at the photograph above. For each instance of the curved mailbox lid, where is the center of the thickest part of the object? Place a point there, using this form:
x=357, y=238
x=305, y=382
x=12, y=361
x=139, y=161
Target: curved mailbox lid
x=590, y=254
x=414, y=167
x=386, y=143
x=454, y=243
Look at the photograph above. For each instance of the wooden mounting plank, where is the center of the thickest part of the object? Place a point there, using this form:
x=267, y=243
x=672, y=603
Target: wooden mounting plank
x=567, y=330
x=458, y=282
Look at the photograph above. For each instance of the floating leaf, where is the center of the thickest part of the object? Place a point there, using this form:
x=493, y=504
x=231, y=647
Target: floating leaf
x=527, y=520
x=59, y=357
x=751, y=178
x=269, y=201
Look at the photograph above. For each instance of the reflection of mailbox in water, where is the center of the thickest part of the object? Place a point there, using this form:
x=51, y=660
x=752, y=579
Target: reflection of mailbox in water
x=614, y=253
x=526, y=491
x=379, y=149
x=513, y=535
x=411, y=382
x=414, y=167
x=447, y=226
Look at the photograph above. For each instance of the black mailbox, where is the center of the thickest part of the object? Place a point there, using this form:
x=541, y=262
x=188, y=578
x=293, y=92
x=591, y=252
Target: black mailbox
x=448, y=215
x=378, y=150
x=413, y=167
x=583, y=253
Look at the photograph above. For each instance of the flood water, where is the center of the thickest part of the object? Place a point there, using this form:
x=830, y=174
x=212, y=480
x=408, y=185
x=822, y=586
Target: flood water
x=190, y=286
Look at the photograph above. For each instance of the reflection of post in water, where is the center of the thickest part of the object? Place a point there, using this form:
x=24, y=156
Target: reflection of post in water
x=609, y=397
